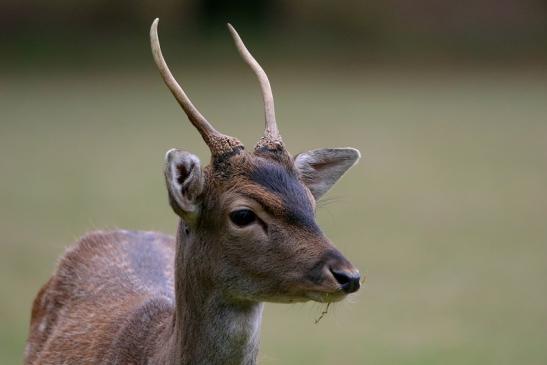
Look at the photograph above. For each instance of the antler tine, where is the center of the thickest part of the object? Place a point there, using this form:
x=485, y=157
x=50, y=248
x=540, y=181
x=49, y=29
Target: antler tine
x=271, y=133
x=218, y=143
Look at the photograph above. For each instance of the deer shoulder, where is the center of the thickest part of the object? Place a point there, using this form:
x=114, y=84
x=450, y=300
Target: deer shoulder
x=101, y=288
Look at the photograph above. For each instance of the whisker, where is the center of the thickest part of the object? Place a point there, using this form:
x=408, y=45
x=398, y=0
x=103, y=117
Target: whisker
x=327, y=201
x=363, y=280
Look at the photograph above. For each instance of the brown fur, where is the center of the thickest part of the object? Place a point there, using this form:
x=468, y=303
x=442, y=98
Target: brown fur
x=97, y=287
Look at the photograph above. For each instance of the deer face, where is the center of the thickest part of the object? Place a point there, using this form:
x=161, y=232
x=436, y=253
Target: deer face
x=256, y=217
x=250, y=216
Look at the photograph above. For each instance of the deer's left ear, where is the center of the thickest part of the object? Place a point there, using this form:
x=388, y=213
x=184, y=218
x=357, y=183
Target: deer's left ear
x=321, y=169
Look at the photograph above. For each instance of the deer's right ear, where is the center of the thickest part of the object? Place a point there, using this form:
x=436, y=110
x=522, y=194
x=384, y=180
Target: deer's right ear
x=184, y=182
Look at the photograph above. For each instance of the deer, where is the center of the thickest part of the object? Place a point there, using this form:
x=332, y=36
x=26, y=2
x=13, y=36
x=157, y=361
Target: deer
x=247, y=234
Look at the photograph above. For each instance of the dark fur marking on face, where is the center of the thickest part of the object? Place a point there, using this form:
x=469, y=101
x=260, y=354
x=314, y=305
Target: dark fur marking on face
x=285, y=184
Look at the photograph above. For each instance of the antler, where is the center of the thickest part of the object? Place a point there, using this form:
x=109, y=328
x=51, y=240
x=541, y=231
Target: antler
x=218, y=143
x=272, y=138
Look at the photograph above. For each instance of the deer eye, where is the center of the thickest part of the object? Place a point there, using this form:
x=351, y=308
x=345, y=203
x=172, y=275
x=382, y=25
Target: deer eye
x=243, y=217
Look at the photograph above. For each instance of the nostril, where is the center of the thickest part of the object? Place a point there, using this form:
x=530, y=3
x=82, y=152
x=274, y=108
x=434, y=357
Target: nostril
x=348, y=280
x=341, y=277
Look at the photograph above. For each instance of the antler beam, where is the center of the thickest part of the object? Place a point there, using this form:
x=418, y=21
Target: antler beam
x=271, y=133
x=218, y=143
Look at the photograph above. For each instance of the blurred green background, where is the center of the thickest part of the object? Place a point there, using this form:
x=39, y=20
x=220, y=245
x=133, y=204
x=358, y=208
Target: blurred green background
x=446, y=213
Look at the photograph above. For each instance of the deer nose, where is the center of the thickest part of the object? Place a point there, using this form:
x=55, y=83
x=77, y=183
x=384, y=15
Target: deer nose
x=350, y=281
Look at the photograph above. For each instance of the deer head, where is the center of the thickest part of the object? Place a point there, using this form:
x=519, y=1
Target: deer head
x=248, y=218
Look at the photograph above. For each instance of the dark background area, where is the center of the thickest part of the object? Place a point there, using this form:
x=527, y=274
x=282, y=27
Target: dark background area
x=393, y=31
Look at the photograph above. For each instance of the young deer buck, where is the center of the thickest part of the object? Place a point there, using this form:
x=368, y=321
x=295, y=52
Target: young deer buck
x=247, y=234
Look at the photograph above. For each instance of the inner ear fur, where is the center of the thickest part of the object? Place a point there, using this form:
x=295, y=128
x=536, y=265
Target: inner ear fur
x=320, y=169
x=184, y=180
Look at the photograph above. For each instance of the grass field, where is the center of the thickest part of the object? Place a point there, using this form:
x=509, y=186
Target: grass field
x=446, y=213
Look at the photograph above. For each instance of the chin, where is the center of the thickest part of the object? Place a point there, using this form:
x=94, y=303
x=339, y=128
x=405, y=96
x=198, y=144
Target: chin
x=326, y=297
x=316, y=296
x=284, y=299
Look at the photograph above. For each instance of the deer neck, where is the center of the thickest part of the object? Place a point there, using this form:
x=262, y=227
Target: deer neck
x=209, y=328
